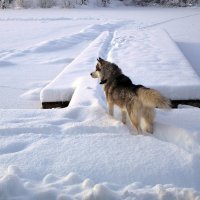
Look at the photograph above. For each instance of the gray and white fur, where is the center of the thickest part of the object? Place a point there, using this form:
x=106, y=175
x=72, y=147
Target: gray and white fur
x=138, y=101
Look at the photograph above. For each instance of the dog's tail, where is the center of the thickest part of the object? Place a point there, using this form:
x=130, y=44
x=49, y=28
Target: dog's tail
x=153, y=98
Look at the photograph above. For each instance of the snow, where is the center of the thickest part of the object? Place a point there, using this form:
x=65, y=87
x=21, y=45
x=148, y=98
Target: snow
x=81, y=140
x=73, y=187
x=81, y=152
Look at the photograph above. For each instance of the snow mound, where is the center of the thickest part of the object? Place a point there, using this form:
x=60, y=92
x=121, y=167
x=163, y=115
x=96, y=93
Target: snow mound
x=13, y=185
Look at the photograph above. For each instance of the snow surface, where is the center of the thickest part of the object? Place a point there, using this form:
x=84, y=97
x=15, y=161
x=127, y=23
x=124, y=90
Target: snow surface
x=81, y=152
x=46, y=146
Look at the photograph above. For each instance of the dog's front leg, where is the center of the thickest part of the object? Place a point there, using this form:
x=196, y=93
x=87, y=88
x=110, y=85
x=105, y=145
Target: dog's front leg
x=111, y=108
x=123, y=114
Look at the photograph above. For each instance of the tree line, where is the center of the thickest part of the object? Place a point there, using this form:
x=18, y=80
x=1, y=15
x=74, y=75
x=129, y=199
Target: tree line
x=72, y=3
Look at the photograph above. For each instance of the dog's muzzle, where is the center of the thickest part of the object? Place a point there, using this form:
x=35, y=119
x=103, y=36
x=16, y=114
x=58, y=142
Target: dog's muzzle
x=94, y=75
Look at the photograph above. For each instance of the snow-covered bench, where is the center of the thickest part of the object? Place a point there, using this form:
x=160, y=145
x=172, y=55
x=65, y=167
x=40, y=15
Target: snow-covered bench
x=58, y=93
x=150, y=57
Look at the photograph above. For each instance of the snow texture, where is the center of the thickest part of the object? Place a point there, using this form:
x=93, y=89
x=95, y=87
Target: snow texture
x=15, y=186
x=81, y=152
x=84, y=139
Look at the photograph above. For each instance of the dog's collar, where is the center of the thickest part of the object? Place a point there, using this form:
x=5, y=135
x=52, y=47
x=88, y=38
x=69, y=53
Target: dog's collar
x=103, y=81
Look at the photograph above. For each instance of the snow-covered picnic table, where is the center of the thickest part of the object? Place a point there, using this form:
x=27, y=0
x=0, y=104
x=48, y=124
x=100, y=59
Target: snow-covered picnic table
x=148, y=57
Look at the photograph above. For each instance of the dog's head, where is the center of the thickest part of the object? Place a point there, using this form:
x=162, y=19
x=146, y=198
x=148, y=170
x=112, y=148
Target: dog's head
x=105, y=70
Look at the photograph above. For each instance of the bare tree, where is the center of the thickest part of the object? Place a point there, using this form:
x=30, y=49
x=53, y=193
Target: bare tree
x=181, y=3
x=6, y=3
x=47, y=3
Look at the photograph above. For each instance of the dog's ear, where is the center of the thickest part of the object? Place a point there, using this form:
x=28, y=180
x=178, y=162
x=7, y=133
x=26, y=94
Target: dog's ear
x=100, y=60
x=98, y=63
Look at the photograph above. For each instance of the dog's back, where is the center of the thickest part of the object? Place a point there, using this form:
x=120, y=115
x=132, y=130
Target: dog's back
x=123, y=81
x=120, y=90
x=123, y=88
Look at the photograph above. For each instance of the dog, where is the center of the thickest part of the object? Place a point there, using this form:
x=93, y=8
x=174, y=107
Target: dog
x=138, y=101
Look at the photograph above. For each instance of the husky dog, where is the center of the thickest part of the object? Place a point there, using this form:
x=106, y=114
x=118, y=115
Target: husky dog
x=136, y=100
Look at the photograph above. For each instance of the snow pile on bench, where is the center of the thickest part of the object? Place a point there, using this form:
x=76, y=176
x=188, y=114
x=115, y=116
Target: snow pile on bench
x=63, y=86
x=151, y=58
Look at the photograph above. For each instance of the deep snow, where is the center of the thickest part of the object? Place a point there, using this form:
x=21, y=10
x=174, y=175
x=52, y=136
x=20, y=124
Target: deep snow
x=81, y=152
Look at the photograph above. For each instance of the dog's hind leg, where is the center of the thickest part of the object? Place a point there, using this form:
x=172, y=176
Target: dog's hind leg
x=135, y=120
x=111, y=108
x=148, y=116
x=136, y=123
x=123, y=113
x=134, y=112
